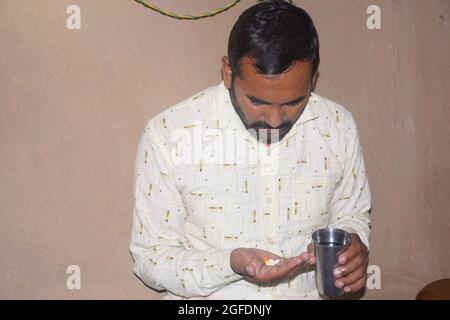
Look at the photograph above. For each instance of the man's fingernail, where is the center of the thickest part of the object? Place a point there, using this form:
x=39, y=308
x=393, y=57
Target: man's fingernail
x=341, y=260
x=339, y=284
x=347, y=289
x=337, y=273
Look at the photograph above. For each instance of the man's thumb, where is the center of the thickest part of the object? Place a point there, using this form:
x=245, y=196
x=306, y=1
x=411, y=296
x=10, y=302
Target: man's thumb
x=310, y=248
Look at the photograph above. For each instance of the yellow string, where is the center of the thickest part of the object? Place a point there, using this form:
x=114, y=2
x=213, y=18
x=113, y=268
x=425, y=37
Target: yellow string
x=184, y=16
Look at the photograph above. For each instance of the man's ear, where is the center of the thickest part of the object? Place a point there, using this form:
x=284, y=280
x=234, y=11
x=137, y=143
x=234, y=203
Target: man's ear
x=226, y=72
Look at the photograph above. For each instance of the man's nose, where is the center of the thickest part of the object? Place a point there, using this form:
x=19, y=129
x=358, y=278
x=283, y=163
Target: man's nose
x=273, y=116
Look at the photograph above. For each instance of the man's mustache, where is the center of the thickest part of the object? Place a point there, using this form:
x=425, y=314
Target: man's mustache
x=266, y=126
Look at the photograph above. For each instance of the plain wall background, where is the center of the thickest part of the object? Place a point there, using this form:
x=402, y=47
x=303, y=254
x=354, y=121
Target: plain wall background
x=73, y=104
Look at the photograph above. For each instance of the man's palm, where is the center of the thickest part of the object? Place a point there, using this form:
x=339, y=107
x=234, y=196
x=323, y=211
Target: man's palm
x=250, y=262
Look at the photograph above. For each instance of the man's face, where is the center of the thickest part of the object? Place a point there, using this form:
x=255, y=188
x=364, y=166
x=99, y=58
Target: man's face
x=271, y=103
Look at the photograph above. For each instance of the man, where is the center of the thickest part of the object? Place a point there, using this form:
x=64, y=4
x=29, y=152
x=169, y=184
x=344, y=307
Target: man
x=207, y=218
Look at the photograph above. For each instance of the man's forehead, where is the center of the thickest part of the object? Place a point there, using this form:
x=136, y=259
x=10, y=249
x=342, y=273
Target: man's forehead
x=296, y=81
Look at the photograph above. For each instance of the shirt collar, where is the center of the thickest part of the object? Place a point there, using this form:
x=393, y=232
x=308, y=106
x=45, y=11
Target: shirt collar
x=309, y=113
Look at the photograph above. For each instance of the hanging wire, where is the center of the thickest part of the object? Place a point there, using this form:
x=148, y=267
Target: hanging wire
x=185, y=16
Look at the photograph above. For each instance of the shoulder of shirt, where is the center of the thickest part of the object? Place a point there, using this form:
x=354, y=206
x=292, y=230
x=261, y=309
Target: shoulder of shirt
x=181, y=115
x=330, y=110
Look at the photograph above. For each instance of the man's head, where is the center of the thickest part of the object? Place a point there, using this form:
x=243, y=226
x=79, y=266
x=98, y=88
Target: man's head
x=273, y=57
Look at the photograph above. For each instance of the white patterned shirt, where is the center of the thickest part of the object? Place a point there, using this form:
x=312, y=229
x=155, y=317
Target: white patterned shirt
x=200, y=192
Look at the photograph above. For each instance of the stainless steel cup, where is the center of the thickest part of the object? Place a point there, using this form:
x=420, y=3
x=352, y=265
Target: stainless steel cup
x=328, y=244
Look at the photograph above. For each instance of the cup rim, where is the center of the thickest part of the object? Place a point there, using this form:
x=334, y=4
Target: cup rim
x=347, y=235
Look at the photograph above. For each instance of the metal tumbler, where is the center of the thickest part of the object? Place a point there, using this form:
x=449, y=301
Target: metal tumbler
x=328, y=244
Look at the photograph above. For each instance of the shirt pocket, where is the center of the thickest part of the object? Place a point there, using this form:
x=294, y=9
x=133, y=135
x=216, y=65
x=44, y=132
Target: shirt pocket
x=309, y=202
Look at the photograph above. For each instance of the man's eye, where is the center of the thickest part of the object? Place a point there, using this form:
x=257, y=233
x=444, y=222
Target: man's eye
x=257, y=103
x=296, y=104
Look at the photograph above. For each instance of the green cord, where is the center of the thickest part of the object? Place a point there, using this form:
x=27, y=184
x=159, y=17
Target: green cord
x=187, y=17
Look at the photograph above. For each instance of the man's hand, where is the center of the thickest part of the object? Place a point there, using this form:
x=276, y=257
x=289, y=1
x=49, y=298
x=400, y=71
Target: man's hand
x=250, y=262
x=351, y=274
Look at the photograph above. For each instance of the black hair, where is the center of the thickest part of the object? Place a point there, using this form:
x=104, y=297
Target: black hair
x=274, y=33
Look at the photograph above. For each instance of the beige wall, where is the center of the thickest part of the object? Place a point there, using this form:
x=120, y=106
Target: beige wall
x=73, y=104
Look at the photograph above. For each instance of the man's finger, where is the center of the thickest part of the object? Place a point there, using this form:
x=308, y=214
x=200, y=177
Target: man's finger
x=288, y=265
x=358, y=285
x=352, y=251
x=281, y=270
x=297, y=270
x=351, y=278
x=308, y=257
x=256, y=263
x=310, y=248
x=350, y=267
x=250, y=270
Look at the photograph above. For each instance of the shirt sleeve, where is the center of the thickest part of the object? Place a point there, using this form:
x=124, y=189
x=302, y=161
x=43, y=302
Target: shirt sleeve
x=351, y=203
x=164, y=259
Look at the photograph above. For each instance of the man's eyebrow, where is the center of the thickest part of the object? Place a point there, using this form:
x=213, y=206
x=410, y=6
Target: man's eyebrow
x=257, y=100
x=261, y=101
x=295, y=101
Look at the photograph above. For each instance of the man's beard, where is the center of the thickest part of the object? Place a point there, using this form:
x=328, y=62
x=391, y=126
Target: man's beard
x=264, y=132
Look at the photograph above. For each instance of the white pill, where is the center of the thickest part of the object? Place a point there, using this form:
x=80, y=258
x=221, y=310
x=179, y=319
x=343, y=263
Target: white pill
x=271, y=262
